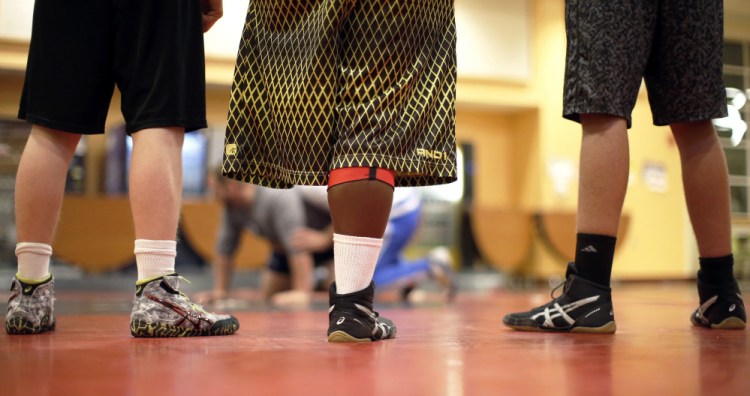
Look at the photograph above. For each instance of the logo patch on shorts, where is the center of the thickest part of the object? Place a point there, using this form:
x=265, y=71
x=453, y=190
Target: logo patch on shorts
x=230, y=149
x=432, y=154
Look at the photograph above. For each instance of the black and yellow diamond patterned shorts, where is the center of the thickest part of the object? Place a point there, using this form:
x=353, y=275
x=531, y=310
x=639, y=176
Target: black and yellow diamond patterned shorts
x=327, y=84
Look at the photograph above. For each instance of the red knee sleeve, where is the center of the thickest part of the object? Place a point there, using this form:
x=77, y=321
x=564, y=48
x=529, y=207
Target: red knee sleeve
x=345, y=175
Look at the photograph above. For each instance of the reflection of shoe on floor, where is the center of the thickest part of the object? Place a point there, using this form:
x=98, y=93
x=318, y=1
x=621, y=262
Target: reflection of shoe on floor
x=31, y=307
x=583, y=307
x=161, y=310
x=351, y=318
x=441, y=270
x=721, y=307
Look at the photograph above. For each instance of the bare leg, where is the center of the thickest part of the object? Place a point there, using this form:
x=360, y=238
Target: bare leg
x=155, y=199
x=360, y=208
x=604, y=163
x=156, y=182
x=40, y=183
x=706, y=182
x=359, y=212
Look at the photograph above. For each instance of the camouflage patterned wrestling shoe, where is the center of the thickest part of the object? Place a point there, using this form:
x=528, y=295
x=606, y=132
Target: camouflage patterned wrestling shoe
x=30, y=307
x=161, y=310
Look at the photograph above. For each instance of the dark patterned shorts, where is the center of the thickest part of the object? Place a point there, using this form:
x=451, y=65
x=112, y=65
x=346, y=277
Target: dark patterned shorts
x=327, y=84
x=675, y=45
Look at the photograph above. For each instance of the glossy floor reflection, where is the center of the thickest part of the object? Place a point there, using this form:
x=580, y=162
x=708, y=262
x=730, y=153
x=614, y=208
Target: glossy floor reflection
x=459, y=349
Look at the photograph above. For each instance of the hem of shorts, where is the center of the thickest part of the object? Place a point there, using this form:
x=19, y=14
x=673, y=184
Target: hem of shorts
x=576, y=115
x=61, y=125
x=190, y=125
x=666, y=121
x=321, y=178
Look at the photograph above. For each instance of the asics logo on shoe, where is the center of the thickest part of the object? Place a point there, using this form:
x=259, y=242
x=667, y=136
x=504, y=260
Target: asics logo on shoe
x=557, y=311
x=341, y=320
x=589, y=249
x=27, y=289
x=732, y=308
x=187, y=316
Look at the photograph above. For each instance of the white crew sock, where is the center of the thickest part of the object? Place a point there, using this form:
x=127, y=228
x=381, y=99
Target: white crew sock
x=33, y=261
x=354, y=261
x=154, y=258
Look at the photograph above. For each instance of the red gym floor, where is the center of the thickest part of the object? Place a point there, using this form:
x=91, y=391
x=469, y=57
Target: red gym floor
x=459, y=349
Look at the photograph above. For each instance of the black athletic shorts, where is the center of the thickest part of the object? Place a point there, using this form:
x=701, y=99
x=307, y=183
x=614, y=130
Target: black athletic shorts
x=675, y=45
x=152, y=50
x=327, y=84
x=279, y=262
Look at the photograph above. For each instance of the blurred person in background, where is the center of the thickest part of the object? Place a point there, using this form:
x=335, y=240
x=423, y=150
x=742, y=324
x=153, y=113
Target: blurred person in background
x=297, y=227
x=297, y=224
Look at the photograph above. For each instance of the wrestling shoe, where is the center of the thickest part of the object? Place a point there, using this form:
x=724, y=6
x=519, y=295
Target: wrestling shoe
x=351, y=318
x=161, y=310
x=721, y=307
x=583, y=307
x=31, y=307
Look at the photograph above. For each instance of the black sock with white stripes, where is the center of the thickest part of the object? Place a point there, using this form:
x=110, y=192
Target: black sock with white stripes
x=594, y=254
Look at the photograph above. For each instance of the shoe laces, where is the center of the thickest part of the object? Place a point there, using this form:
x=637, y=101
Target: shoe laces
x=559, y=285
x=193, y=305
x=570, y=270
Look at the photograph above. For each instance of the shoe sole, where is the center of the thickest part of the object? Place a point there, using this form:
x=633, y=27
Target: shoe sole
x=341, y=336
x=22, y=326
x=608, y=328
x=730, y=324
x=142, y=329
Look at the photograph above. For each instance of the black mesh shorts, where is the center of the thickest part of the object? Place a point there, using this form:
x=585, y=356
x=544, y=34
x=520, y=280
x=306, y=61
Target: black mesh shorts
x=675, y=45
x=152, y=50
x=327, y=84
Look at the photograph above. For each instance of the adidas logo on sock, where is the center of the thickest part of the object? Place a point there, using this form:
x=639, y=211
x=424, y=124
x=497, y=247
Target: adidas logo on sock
x=589, y=249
